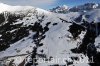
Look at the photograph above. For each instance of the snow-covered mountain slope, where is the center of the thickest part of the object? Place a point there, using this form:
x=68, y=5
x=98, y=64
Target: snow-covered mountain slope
x=9, y=8
x=93, y=15
x=4, y=7
x=56, y=39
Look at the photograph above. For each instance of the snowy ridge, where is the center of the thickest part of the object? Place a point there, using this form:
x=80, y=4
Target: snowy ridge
x=4, y=7
x=9, y=8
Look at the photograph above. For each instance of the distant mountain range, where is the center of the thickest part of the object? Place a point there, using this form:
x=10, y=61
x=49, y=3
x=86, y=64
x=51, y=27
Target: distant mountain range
x=84, y=7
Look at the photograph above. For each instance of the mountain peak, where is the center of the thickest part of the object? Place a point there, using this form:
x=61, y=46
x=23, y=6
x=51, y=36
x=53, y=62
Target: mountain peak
x=65, y=6
x=60, y=9
x=85, y=7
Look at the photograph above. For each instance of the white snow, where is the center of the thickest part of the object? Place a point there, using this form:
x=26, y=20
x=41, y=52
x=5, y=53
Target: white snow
x=4, y=7
x=94, y=15
x=56, y=43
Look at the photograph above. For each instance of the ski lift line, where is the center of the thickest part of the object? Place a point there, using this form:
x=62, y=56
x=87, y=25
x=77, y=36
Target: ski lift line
x=64, y=20
x=73, y=22
x=68, y=21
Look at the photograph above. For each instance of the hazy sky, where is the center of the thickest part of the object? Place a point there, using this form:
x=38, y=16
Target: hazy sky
x=47, y=4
